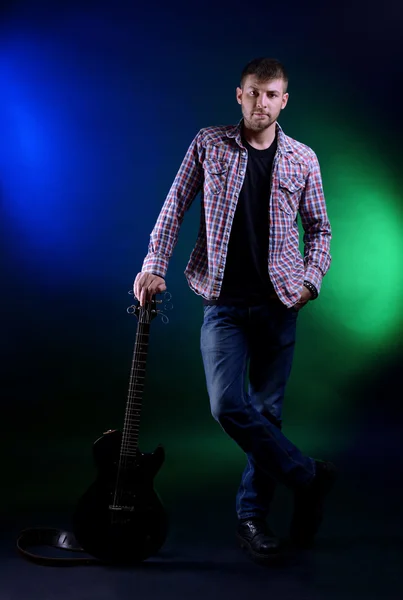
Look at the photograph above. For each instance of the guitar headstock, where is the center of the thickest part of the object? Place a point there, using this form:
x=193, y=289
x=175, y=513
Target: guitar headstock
x=149, y=311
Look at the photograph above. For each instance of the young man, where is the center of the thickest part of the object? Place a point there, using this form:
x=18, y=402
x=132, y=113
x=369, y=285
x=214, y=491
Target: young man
x=247, y=267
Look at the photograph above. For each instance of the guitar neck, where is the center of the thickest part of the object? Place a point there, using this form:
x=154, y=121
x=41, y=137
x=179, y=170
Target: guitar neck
x=131, y=428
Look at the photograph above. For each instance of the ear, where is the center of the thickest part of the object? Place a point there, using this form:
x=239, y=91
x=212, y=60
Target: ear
x=284, y=101
x=239, y=95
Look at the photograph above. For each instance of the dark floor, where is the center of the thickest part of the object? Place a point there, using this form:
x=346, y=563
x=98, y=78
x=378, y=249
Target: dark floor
x=358, y=554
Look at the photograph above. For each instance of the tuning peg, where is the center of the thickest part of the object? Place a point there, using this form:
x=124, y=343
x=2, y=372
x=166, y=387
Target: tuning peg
x=164, y=318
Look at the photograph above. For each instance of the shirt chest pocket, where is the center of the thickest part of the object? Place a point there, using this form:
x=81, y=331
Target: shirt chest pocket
x=290, y=192
x=215, y=175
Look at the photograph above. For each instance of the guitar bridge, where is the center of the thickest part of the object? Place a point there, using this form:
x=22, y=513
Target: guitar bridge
x=121, y=508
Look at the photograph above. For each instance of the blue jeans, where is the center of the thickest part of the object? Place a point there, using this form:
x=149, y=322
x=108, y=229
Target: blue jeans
x=262, y=337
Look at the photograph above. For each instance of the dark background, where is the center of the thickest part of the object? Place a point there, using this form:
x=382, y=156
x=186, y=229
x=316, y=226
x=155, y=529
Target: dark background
x=98, y=104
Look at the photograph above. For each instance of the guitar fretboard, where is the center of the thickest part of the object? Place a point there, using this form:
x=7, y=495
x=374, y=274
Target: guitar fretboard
x=131, y=428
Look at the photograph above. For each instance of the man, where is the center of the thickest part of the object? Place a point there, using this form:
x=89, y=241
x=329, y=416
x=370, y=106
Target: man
x=247, y=267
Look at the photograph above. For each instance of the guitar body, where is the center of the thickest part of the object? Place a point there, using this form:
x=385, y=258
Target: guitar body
x=120, y=518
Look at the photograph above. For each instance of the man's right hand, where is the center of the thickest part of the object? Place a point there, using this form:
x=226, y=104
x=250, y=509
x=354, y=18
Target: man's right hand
x=146, y=285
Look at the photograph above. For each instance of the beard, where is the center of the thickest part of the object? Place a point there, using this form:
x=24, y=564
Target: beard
x=258, y=124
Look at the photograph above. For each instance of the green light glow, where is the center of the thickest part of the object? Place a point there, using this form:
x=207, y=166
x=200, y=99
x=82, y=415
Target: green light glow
x=361, y=294
x=365, y=283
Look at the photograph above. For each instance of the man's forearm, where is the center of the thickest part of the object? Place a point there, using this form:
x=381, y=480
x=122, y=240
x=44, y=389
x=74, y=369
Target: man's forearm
x=317, y=230
x=183, y=191
x=317, y=256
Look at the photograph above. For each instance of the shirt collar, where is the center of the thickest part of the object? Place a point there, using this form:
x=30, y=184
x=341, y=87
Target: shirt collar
x=282, y=141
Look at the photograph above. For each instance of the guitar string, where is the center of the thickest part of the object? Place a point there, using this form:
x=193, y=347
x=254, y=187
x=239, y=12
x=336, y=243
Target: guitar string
x=134, y=374
x=117, y=493
x=122, y=461
x=125, y=445
x=130, y=411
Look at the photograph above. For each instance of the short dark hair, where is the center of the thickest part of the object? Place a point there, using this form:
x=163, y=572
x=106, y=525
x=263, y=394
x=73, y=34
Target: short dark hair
x=265, y=69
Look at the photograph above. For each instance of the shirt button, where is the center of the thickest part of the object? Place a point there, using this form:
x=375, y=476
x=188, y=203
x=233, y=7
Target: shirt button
x=220, y=270
x=241, y=172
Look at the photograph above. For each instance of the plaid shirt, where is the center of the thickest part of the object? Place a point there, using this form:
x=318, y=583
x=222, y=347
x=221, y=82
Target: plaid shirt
x=215, y=164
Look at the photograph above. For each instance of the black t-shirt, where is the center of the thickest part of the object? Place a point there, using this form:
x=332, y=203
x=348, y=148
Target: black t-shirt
x=246, y=279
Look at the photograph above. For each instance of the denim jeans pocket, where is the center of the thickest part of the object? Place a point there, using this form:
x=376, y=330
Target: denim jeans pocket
x=206, y=307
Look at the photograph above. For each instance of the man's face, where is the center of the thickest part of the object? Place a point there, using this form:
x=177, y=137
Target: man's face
x=261, y=102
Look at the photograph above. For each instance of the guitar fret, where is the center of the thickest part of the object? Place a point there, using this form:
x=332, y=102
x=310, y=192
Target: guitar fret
x=130, y=435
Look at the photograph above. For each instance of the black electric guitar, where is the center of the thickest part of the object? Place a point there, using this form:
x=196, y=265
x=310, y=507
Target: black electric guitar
x=120, y=518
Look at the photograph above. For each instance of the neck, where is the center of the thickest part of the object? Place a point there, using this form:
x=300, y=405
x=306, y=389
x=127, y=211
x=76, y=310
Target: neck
x=260, y=139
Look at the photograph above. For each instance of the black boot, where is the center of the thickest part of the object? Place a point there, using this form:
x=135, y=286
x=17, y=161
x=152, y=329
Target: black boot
x=258, y=541
x=309, y=505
